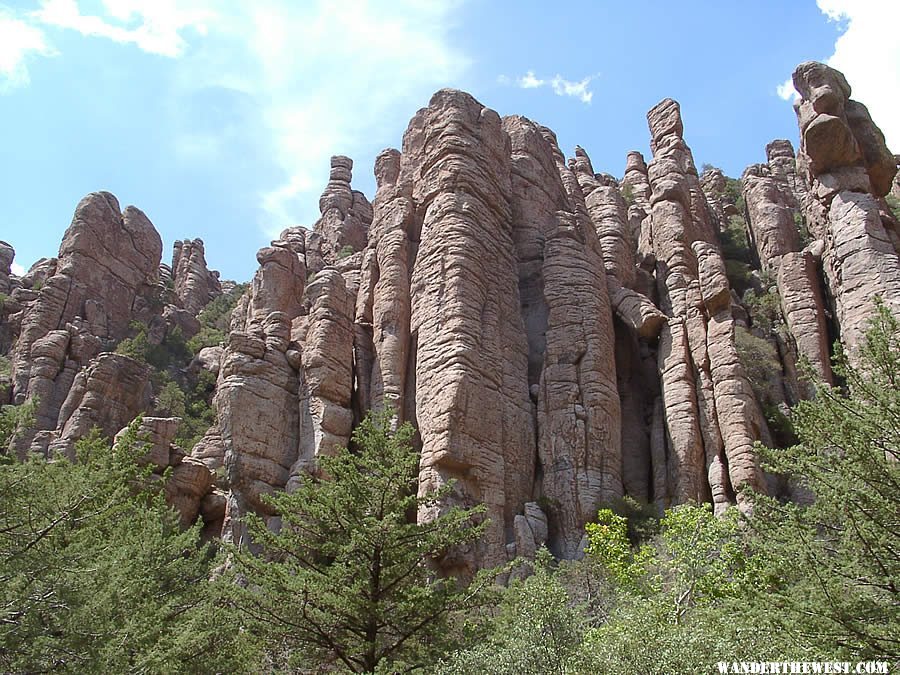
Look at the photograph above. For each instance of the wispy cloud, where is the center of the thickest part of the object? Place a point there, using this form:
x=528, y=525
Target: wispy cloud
x=17, y=269
x=529, y=81
x=786, y=90
x=154, y=26
x=18, y=42
x=328, y=78
x=318, y=77
x=561, y=86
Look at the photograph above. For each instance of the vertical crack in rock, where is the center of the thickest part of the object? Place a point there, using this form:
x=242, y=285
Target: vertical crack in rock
x=568, y=323
x=707, y=422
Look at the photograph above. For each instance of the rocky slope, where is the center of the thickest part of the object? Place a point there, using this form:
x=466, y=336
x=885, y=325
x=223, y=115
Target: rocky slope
x=559, y=339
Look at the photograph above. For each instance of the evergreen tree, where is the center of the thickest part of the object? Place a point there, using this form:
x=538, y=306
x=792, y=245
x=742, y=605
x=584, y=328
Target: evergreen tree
x=838, y=556
x=349, y=578
x=97, y=576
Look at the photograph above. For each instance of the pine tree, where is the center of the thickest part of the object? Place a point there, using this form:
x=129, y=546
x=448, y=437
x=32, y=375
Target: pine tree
x=350, y=576
x=838, y=557
x=97, y=576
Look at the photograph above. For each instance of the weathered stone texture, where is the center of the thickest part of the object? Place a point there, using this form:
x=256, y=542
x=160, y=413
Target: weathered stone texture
x=343, y=226
x=105, y=277
x=472, y=402
x=848, y=166
x=708, y=422
x=195, y=285
x=107, y=395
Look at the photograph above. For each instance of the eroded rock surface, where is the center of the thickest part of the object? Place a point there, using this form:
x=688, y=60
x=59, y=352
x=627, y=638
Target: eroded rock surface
x=559, y=338
x=106, y=276
x=195, y=285
x=847, y=166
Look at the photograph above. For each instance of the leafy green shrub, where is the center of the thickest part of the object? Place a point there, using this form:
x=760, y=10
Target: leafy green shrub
x=733, y=193
x=138, y=345
x=802, y=228
x=538, y=630
x=345, y=252
x=97, y=576
x=207, y=336
x=764, y=309
x=760, y=361
x=215, y=319
x=739, y=275
x=171, y=400
x=734, y=241
x=172, y=350
x=14, y=419
x=837, y=561
x=894, y=205
x=627, y=194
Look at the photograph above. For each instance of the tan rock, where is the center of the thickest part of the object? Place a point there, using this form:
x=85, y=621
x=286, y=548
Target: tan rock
x=848, y=165
x=472, y=404
x=107, y=394
x=195, y=285
x=346, y=216
x=568, y=324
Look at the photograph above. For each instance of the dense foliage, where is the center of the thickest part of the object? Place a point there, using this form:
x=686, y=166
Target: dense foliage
x=807, y=580
x=96, y=576
x=349, y=577
x=215, y=319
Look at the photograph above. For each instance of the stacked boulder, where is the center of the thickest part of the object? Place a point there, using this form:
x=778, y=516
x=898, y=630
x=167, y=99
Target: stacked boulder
x=847, y=166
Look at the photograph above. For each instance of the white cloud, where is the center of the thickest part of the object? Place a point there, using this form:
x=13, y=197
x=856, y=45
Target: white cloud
x=579, y=90
x=154, y=26
x=868, y=53
x=786, y=90
x=18, y=40
x=327, y=78
x=318, y=77
x=560, y=85
x=17, y=269
x=529, y=81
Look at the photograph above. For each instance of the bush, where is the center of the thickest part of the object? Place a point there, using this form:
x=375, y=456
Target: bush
x=215, y=320
x=734, y=193
x=96, y=575
x=760, y=362
x=894, y=205
x=837, y=564
x=764, y=309
x=734, y=241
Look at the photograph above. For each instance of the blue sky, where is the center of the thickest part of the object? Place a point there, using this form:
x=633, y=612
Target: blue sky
x=218, y=117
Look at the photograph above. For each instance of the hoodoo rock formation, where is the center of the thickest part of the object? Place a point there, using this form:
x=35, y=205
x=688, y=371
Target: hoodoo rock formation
x=560, y=339
x=194, y=284
x=848, y=167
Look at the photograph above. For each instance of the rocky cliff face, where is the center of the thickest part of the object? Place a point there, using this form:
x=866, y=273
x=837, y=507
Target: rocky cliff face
x=559, y=338
x=64, y=318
